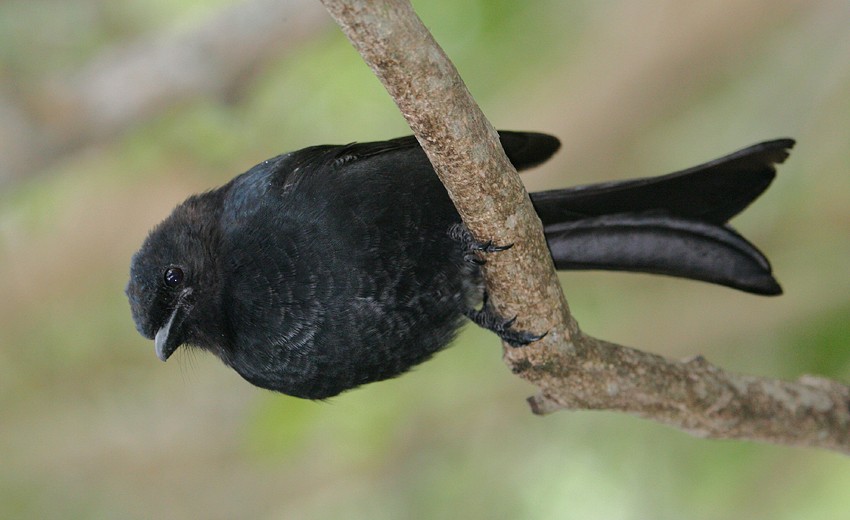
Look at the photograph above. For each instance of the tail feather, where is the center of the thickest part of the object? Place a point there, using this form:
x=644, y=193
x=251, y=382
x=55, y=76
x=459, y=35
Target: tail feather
x=662, y=245
x=712, y=192
x=673, y=225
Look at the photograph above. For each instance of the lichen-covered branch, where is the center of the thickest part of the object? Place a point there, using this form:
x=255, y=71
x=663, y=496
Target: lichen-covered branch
x=572, y=370
x=692, y=395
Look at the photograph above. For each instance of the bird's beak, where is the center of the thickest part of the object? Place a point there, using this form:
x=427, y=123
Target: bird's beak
x=168, y=337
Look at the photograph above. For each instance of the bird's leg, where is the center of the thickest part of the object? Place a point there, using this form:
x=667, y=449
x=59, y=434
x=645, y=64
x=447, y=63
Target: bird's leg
x=486, y=316
x=489, y=319
x=473, y=247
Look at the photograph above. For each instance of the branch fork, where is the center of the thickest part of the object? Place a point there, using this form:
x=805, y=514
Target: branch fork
x=572, y=370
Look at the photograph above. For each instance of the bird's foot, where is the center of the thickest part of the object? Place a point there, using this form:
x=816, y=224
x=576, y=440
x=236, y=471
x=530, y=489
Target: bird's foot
x=473, y=247
x=489, y=319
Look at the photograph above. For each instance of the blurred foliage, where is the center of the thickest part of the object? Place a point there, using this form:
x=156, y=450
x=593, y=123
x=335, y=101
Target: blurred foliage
x=95, y=427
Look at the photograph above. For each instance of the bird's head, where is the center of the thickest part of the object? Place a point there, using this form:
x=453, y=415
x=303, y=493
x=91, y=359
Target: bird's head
x=174, y=287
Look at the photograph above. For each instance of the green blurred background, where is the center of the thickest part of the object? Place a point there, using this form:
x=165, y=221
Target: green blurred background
x=103, y=129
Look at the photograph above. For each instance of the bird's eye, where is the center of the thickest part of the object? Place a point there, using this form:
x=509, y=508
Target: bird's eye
x=173, y=276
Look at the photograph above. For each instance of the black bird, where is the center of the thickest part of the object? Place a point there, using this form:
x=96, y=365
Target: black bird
x=334, y=266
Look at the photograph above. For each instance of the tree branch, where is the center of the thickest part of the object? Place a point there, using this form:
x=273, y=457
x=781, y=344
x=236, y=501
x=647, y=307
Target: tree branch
x=572, y=370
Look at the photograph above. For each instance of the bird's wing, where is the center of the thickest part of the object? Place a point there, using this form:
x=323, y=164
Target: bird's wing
x=524, y=150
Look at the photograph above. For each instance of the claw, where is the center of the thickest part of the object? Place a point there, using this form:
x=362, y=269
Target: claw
x=472, y=246
x=490, y=247
x=471, y=258
x=487, y=318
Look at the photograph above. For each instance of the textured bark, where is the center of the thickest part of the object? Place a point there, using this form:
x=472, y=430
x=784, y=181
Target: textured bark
x=572, y=370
